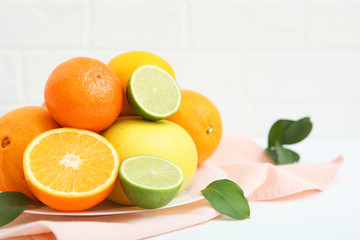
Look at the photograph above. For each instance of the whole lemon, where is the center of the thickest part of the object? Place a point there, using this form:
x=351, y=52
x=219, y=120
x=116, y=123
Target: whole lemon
x=126, y=63
x=132, y=136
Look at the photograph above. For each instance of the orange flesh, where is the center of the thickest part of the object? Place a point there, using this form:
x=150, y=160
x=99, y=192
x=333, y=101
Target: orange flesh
x=79, y=165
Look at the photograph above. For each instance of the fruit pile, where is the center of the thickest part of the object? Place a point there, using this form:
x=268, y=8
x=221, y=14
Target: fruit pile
x=123, y=131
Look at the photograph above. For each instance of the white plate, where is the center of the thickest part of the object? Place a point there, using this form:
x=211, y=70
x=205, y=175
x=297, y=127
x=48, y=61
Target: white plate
x=204, y=176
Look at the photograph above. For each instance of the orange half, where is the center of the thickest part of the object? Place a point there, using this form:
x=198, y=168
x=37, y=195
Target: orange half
x=71, y=169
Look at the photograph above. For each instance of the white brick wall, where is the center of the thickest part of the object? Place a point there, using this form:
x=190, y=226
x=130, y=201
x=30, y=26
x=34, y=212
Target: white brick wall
x=131, y=24
x=41, y=23
x=10, y=74
x=247, y=25
x=257, y=60
x=333, y=24
x=307, y=77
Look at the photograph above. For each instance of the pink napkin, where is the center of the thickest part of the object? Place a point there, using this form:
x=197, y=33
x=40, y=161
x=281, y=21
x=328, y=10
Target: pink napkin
x=239, y=157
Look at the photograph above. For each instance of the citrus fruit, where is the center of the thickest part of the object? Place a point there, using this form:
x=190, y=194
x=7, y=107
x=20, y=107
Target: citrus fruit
x=84, y=93
x=153, y=93
x=150, y=182
x=133, y=136
x=126, y=63
x=70, y=169
x=17, y=129
x=202, y=120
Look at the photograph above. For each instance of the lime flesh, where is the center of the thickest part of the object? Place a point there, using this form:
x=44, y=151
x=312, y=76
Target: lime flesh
x=153, y=93
x=150, y=182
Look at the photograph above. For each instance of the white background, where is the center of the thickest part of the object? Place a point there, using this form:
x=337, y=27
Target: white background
x=257, y=60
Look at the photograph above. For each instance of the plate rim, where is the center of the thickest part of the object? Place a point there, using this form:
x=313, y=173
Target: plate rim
x=220, y=174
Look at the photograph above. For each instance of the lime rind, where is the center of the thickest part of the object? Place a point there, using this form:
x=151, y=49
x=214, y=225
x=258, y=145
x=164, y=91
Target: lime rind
x=156, y=102
x=152, y=169
x=138, y=174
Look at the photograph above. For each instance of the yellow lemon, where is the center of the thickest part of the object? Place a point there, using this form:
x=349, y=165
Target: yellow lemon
x=132, y=136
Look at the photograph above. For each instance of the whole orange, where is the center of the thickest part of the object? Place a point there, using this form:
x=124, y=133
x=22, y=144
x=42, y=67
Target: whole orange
x=84, y=93
x=17, y=129
x=202, y=120
x=126, y=63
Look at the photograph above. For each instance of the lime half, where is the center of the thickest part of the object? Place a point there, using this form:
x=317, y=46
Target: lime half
x=150, y=182
x=153, y=93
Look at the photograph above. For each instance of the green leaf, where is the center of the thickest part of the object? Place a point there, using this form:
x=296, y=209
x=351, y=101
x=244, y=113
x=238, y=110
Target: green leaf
x=278, y=130
x=271, y=152
x=286, y=156
x=297, y=131
x=281, y=155
x=283, y=132
x=12, y=204
x=227, y=198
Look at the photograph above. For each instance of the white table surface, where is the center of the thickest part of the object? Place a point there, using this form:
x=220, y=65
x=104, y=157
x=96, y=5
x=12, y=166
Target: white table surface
x=332, y=214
